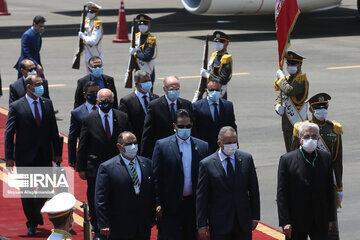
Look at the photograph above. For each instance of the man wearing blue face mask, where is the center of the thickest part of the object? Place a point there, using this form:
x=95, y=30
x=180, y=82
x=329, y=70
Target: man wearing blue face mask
x=176, y=163
x=211, y=114
x=31, y=42
x=90, y=94
x=96, y=75
x=159, y=120
x=293, y=90
x=135, y=105
x=330, y=141
x=220, y=62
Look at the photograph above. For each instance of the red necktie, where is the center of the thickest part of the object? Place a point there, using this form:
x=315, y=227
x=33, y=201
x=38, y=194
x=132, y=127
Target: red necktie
x=146, y=101
x=94, y=107
x=107, y=128
x=37, y=115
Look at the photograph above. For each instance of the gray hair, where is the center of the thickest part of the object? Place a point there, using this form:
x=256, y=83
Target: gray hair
x=98, y=93
x=224, y=130
x=165, y=80
x=140, y=74
x=308, y=125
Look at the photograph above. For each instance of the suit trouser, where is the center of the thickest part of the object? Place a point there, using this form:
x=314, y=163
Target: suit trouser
x=333, y=234
x=181, y=226
x=235, y=234
x=288, y=135
x=91, y=181
x=316, y=235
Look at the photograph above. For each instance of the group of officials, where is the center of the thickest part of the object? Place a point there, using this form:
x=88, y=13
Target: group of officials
x=165, y=160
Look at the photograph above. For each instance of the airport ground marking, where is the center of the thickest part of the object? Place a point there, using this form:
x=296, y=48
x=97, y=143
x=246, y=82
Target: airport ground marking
x=343, y=67
x=50, y=86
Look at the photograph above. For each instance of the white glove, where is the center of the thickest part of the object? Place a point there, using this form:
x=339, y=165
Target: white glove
x=82, y=35
x=341, y=195
x=204, y=73
x=132, y=50
x=280, y=74
x=280, y=110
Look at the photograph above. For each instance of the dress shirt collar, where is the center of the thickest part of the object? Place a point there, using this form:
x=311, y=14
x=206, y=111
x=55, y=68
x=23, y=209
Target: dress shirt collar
x=23, y=77
x=102, y=114
x=170, y=102
x=179, y=140
x=223, y=156
x=211, y=102
x=30, y=100
x=89, y=106
x=127, y=162
x=140, y=95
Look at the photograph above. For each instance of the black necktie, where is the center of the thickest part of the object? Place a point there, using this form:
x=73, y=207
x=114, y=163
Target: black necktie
x=216, y=116
x=37, y=114
x=172, y=110
x=146, y=102
x=230, y=172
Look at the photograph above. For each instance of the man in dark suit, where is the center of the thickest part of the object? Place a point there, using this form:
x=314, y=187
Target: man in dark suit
x=161, y=112
x=176, y=166
x=211, y=114
x=305, y=191
x=18, y=88
x=124, y=193
x=98, y=138
x=31, y=44
x=31, y=121
x=89, y=92
x=136, y=103
x=96, y=75
x=227, y=197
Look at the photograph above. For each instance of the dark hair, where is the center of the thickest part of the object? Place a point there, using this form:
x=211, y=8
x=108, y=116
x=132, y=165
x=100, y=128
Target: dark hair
x=39, y=19
x=89, y=84
x=22, y=63
x=29, y=80
x=60, y=221
x=93, y=58
x=212, y=80
x=120, y=139
x=182, y=113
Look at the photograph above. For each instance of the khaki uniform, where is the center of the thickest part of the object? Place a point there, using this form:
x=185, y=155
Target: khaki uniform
x=58, y=234
x=331, y=133
x=296, y=88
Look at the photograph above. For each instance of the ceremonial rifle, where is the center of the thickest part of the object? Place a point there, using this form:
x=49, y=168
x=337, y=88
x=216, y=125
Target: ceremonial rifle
x=131, y=63
x=86, y=224
x=202, y=83
x=80, y=49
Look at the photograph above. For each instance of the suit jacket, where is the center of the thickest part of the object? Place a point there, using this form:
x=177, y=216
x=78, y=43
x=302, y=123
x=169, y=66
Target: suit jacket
x=94, y=147
x=131, y=105
x=30, y=47
x=108, y=83
x=158, y=123
x=117, y=205
x=77, y=116
x=30, y=139
x=169, y=172
x=18, y=90
x=218, y=205
x=302, y=197
x=204, y=126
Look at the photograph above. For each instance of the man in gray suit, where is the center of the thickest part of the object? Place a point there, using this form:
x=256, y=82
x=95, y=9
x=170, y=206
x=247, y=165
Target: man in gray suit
x=227, y=197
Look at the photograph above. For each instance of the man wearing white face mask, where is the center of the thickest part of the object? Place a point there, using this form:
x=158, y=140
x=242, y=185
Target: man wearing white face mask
x=290, y=103
x=220, y=62
x=330, y=141
x=93, y=34
x=145, y=50
x=227, y=196
x=305, y=192
x=124, y=196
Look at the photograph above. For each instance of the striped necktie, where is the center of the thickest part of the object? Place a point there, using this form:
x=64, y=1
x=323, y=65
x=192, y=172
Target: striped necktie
x=134, y=174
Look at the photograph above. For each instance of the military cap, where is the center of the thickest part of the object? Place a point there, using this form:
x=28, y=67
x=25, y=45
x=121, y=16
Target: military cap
x=320, y=100
x=59, y=205
x=293, y=58
x=92, y=6
x=143, y=18
x=220, y=36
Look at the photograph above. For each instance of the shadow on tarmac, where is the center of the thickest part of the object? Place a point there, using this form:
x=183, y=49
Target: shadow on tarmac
x=330, y=23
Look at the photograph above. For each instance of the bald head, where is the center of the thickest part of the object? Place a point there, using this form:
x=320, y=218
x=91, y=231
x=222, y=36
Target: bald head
x=31, y=82
x=105, y=95
x=27, y=66
x=171, y=81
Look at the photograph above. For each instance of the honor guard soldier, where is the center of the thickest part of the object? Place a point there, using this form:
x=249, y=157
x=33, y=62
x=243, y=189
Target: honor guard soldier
x=60, y=211
x=220, y=62
x=330, y=141
x=145, y=50
x=290, y=103
x=93, y=34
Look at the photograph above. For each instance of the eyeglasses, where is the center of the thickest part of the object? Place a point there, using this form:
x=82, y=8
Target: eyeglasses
x=185, y=126
x=314, y=137
x=31, y=69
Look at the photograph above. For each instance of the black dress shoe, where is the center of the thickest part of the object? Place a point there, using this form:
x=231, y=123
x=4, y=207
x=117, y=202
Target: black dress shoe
x=31, y=231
